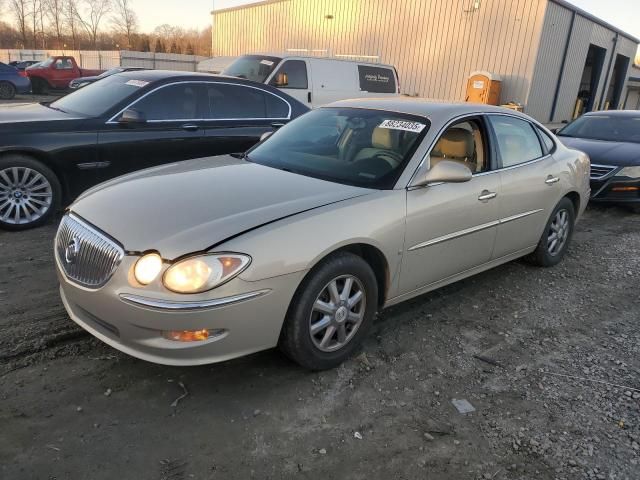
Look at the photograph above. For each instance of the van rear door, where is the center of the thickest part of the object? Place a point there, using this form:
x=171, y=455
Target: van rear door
x=292, y=77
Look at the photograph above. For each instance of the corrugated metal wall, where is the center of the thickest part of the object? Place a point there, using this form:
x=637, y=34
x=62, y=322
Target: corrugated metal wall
x=434, y=44
x=557, y=24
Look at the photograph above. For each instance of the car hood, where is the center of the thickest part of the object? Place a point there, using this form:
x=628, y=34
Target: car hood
x=191, y=206
x=32, y=112
x=601, y=152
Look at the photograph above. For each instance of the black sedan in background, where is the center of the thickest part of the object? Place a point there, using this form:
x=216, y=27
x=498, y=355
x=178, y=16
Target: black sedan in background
x=612, y=141
x=50, y=153
x=77, y=83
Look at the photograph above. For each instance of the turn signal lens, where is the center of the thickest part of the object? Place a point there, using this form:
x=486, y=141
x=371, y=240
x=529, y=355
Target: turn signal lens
x=625, y=189
x=187, y=335
x=202, y=273
x=148, y=268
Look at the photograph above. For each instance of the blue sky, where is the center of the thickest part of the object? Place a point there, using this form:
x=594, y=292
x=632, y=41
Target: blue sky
x=624, y=14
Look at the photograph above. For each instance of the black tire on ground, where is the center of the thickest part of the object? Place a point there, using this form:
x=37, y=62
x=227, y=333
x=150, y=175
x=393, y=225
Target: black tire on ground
x=39, y=86
x=19, y=161
x=7, y=90
x=543, y=255
x=296, y=339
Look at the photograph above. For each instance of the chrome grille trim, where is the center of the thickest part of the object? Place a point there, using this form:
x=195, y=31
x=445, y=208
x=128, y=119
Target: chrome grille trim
x=598, y=172
x=97, y=258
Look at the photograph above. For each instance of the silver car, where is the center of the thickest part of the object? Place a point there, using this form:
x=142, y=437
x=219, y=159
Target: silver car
x=347, y=210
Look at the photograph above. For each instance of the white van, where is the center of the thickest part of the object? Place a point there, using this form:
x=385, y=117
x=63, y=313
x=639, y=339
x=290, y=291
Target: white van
x=316, y=81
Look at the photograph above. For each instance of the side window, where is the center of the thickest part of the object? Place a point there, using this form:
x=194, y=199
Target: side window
x=549, y=144
x=175, y=102
x=517, y=141
x=464, y=143
x=226, y=101
x=63, y=64
x=292, y=74
x=376, y=79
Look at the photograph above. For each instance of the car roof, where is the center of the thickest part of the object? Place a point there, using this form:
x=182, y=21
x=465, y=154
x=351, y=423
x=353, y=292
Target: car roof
x=614, y=113
x=424, y=107
x=161, y=75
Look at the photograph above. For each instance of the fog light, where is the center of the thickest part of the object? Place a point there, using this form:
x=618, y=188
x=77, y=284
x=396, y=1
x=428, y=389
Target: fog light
x=192, y=335
x=148, y=268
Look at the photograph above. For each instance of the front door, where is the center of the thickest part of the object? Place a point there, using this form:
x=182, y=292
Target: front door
x=173, y=130
x=451, y=227
x=292, y=77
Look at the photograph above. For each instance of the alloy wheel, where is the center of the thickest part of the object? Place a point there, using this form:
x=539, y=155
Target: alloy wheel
x=558, y=232
x=6, y=91
x=25, y=195
x=337, y=313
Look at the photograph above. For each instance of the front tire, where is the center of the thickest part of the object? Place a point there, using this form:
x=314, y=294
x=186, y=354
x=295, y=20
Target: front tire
x=29, y=192
x=330, y=313
x=556, y=236
x=7, y=91
x=40, y=86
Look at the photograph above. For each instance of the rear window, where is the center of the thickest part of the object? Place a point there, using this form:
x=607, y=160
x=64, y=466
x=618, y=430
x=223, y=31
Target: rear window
x=377, y=79
x=99, y=97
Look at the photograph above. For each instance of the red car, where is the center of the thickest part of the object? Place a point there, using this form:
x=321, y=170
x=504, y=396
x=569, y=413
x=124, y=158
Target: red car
x=56, y=73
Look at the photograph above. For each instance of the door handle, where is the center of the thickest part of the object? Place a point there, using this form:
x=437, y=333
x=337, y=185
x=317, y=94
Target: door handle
x=189, y=127
x=486, y=195
x=309, y=97
x=551, y=180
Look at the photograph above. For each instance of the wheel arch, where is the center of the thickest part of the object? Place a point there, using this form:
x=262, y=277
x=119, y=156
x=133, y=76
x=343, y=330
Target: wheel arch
x=370, y=254
x=575, y=200
x=41, y=157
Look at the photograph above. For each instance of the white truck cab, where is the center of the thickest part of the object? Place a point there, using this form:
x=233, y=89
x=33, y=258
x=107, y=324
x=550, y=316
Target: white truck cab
x=317, y=81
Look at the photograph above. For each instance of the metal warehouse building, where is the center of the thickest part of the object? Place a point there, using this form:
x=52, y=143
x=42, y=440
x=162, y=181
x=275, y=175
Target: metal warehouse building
x=552, y=57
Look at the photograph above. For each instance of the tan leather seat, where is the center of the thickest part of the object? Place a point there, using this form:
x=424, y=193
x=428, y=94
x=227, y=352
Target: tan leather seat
x=381, y=139
x=456, y=145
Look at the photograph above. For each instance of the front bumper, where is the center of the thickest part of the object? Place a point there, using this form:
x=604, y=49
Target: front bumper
x=248, y=316
x=613, y=188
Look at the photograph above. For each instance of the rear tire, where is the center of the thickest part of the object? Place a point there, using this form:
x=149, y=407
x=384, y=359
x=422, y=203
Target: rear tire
x=7, y=91
x=556, y=236
x=331, y=312
x=29, y=192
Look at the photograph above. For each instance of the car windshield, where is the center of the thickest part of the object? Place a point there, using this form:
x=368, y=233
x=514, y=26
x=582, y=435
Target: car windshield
x=46, y=63
x=252, y=67
x=97, y=98
x=611, y=128
x=365, y=148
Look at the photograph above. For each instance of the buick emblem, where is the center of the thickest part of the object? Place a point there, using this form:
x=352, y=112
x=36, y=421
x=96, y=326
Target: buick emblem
x=73, y=248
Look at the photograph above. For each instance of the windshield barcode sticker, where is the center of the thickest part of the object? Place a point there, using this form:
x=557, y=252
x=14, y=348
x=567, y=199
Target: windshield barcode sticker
x=268, y=63
x=137, y=83
x=403, y=125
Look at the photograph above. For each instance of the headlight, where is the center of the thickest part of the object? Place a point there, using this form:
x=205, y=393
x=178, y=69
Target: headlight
x=204, y=272
x=630, y=172
x=147, y=268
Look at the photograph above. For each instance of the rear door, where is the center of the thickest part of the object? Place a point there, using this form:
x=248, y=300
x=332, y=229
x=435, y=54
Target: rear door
x=292, y=77
x=237, y=115
x=173, y=130
x=530, y=183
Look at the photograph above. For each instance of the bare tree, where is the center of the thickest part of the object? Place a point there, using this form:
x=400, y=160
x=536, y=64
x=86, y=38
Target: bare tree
x=55, y=13
x=125, y=20
x=71, y=15
x=37, y=21
x=20, y=11
x=92, y=15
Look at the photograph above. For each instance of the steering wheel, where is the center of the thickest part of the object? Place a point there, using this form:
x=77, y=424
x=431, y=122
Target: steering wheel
x=394, y=159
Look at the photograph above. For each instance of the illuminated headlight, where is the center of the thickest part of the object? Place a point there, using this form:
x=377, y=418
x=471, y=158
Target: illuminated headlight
x=148, y=268
x=629, y=172
x=204, y=272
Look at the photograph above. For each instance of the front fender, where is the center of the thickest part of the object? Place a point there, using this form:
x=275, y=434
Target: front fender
x=300, y=242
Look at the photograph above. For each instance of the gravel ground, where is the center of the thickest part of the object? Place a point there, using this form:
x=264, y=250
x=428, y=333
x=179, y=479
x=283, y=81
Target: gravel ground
x=549, y=359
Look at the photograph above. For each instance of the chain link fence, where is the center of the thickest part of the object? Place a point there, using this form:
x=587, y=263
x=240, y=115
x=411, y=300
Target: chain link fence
x=102, y=60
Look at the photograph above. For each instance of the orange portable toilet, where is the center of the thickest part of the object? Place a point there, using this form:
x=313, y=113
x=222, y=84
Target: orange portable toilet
x=484, y=87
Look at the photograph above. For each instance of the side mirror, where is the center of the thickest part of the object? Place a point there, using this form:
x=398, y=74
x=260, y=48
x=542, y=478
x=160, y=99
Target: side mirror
x=282, y=80
x=265, y=135
x=554, y=130
x=444, y=171
x=131, y=117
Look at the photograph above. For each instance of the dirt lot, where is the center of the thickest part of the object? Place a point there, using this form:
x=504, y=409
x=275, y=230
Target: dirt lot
x=72, y=408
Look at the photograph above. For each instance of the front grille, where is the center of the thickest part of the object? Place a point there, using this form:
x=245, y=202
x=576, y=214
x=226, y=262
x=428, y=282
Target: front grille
x=87, y=256
x=600, y=171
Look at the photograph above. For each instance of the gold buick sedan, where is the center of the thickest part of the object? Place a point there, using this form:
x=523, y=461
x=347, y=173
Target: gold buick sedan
x=298, y=243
